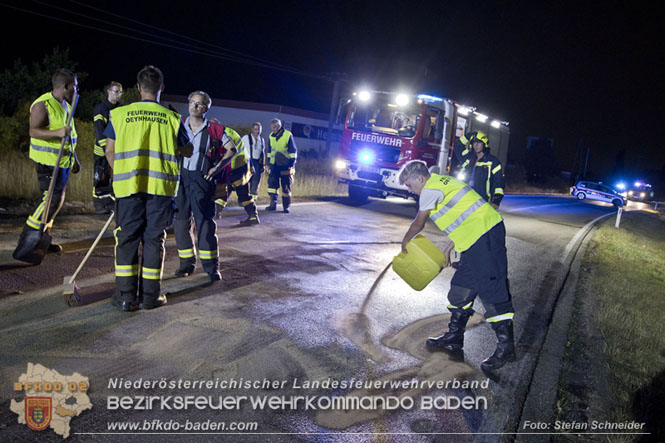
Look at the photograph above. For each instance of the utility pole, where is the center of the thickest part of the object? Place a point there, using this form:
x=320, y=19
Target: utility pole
x=336, y=78
x=586, y=162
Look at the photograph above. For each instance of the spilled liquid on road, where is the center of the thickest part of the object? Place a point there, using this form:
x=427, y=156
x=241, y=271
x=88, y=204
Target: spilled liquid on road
x=435, y=366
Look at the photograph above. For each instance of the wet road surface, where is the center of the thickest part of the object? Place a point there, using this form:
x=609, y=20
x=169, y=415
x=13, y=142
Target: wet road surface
x=293, y=307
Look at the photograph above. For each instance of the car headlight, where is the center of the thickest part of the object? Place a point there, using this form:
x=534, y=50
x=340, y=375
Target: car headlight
x=340, y=164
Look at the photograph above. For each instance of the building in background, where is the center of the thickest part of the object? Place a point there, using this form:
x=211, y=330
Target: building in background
x=309, y=128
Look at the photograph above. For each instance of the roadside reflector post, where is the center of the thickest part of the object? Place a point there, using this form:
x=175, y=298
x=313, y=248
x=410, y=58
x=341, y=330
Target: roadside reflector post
x=619, y=217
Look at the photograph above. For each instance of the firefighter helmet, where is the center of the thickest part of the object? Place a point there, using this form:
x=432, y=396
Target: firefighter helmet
x=480, y=137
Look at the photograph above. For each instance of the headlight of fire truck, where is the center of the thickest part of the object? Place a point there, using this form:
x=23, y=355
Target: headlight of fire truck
x=340, y=164
x=642, y=194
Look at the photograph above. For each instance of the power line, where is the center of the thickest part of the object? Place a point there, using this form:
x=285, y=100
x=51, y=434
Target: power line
x=217, y=47
x=194, y=51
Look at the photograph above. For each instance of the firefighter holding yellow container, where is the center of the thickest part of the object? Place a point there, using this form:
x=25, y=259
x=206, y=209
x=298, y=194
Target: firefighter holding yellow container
x=477, y=232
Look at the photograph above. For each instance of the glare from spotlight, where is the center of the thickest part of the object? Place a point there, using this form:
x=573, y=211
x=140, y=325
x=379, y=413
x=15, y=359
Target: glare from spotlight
x=340, y=164
x=496, y=124
x=481, y=118
x=364, y=96
x=402, y=99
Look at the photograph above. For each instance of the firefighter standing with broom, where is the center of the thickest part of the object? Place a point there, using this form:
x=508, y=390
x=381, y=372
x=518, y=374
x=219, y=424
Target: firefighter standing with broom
x=48, y=115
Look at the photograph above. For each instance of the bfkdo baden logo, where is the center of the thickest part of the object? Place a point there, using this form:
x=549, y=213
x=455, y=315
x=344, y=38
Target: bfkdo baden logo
x=51, y=399
x=38, y=412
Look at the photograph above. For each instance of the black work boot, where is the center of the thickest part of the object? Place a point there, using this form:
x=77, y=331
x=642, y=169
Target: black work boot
x=286, y=202
x=54, y=248
x=151, y=301
x=215, y=276
x=505, y=347
x=453, y=340
x=273, y=203
x=186, y=269
x=126, y=301
x=249, y=221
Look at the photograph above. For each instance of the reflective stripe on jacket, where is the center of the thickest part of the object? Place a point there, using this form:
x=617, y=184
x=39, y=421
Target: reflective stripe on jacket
x=280, y=147
x=146, y=158
x=46, y=151
x=240, y=172
x=462, y=215
x=240, y=158
x=488, y=179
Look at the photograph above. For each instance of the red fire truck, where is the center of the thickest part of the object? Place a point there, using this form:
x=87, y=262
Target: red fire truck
x=383, y=130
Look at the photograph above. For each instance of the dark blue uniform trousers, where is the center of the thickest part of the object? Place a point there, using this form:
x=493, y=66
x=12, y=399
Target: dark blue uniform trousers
x=142, y=219
x=195, y=197
x=483, y=272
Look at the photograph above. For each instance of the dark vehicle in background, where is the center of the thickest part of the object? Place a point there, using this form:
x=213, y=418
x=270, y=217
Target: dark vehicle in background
x=641, y=192
x=597, y=191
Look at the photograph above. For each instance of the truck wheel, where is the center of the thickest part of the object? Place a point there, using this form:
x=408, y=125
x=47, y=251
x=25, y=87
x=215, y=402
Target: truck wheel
x=617, y=203
x=581, y=196
x=357, y=194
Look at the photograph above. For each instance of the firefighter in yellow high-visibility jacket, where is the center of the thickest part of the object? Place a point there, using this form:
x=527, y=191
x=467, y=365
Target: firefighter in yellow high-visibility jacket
x=476, y=231
x=48, y=117
x=143, y=147
x=236, y=177
x=282, y=155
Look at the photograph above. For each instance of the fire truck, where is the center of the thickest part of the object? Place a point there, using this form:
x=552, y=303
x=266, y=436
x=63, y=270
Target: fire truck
x=383, y=131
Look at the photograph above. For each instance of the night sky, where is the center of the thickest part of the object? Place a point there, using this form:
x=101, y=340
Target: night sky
x=556, y=69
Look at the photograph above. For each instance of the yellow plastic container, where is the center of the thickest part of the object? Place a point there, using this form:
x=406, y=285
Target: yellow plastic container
x=423, y=262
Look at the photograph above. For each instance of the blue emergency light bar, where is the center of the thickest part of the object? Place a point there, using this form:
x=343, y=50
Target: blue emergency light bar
x=429, y=98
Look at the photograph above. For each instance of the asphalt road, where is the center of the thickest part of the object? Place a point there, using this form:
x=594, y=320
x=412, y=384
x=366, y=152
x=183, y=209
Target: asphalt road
x=294, y=306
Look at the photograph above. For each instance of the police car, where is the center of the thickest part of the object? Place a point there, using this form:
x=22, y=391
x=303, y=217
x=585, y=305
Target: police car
x=597, y=191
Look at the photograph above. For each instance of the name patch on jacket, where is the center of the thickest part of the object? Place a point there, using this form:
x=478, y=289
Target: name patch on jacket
x=146, y=116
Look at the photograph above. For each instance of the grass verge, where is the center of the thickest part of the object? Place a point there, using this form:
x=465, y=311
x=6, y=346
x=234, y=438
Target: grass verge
x=18, y=183
x=624, y=282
